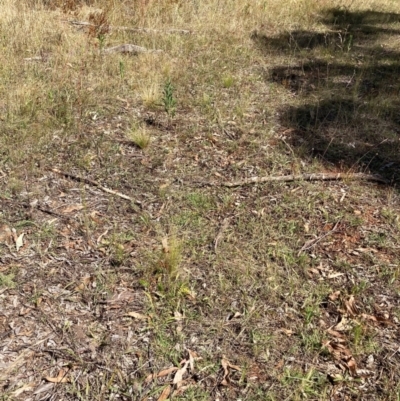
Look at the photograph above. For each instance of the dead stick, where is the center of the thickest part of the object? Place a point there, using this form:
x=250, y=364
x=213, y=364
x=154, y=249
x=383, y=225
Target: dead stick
x=129, y=48
x=94, y=183
x=129, y=29
x=306, y=177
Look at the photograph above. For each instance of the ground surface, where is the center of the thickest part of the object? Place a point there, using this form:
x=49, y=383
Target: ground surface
x=185, y=288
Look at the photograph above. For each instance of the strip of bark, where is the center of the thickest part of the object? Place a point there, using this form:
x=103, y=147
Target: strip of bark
x=306, y=177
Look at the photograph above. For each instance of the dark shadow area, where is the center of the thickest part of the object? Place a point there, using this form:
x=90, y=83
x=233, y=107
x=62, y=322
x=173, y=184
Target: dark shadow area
x=346, y=89
x=361, y=19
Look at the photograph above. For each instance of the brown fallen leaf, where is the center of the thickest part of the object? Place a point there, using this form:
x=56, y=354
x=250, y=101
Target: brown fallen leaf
x=351, y=364
x=351, y=306
x=335, y=333
x=334, y=296
x=288, y=332
x=6, y=235
x=93, y=216
x=378, y=319
x=61, y=377
x=85, y=281
x=343, y=355
x=343, y=325
x=162, y=373
x=165, y=393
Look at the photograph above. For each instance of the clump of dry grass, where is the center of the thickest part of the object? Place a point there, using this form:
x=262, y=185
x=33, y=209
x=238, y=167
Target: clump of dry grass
x=140, y=137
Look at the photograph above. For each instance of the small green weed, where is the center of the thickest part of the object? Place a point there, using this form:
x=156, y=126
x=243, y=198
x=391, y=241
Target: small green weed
x=228, y=81
x=308, y=384
x=7, y=280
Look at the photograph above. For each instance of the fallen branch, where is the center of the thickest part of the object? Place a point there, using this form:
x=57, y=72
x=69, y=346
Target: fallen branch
x=128, y=48
x=94, y=183
x=306, y=177
x=129, y=29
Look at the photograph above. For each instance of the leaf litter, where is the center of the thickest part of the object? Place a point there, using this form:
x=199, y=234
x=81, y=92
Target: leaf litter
x=111, y=318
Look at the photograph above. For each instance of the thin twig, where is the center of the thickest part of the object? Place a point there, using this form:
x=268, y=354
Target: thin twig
x=310, y=244
x=94, y=183
x=305, y=177
x=288, y=146
x=51, y=213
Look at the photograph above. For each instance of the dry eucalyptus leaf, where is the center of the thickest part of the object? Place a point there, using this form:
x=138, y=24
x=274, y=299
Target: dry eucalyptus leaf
x=6, y=235
x=179, y=374
x=226, y=365
x=334, y=275
x=165, y=245
x=137, y=315
x=178, y=316
x=165, y=394
x=162, y=373
x=72, y=208
x=192, y=357
x=61, y=377
x=19, y=243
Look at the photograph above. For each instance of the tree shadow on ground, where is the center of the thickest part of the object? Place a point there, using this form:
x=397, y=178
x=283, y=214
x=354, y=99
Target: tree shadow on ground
x=345, y=87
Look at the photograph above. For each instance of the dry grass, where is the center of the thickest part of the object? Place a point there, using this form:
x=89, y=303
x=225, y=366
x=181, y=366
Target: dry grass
x=277, y=291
